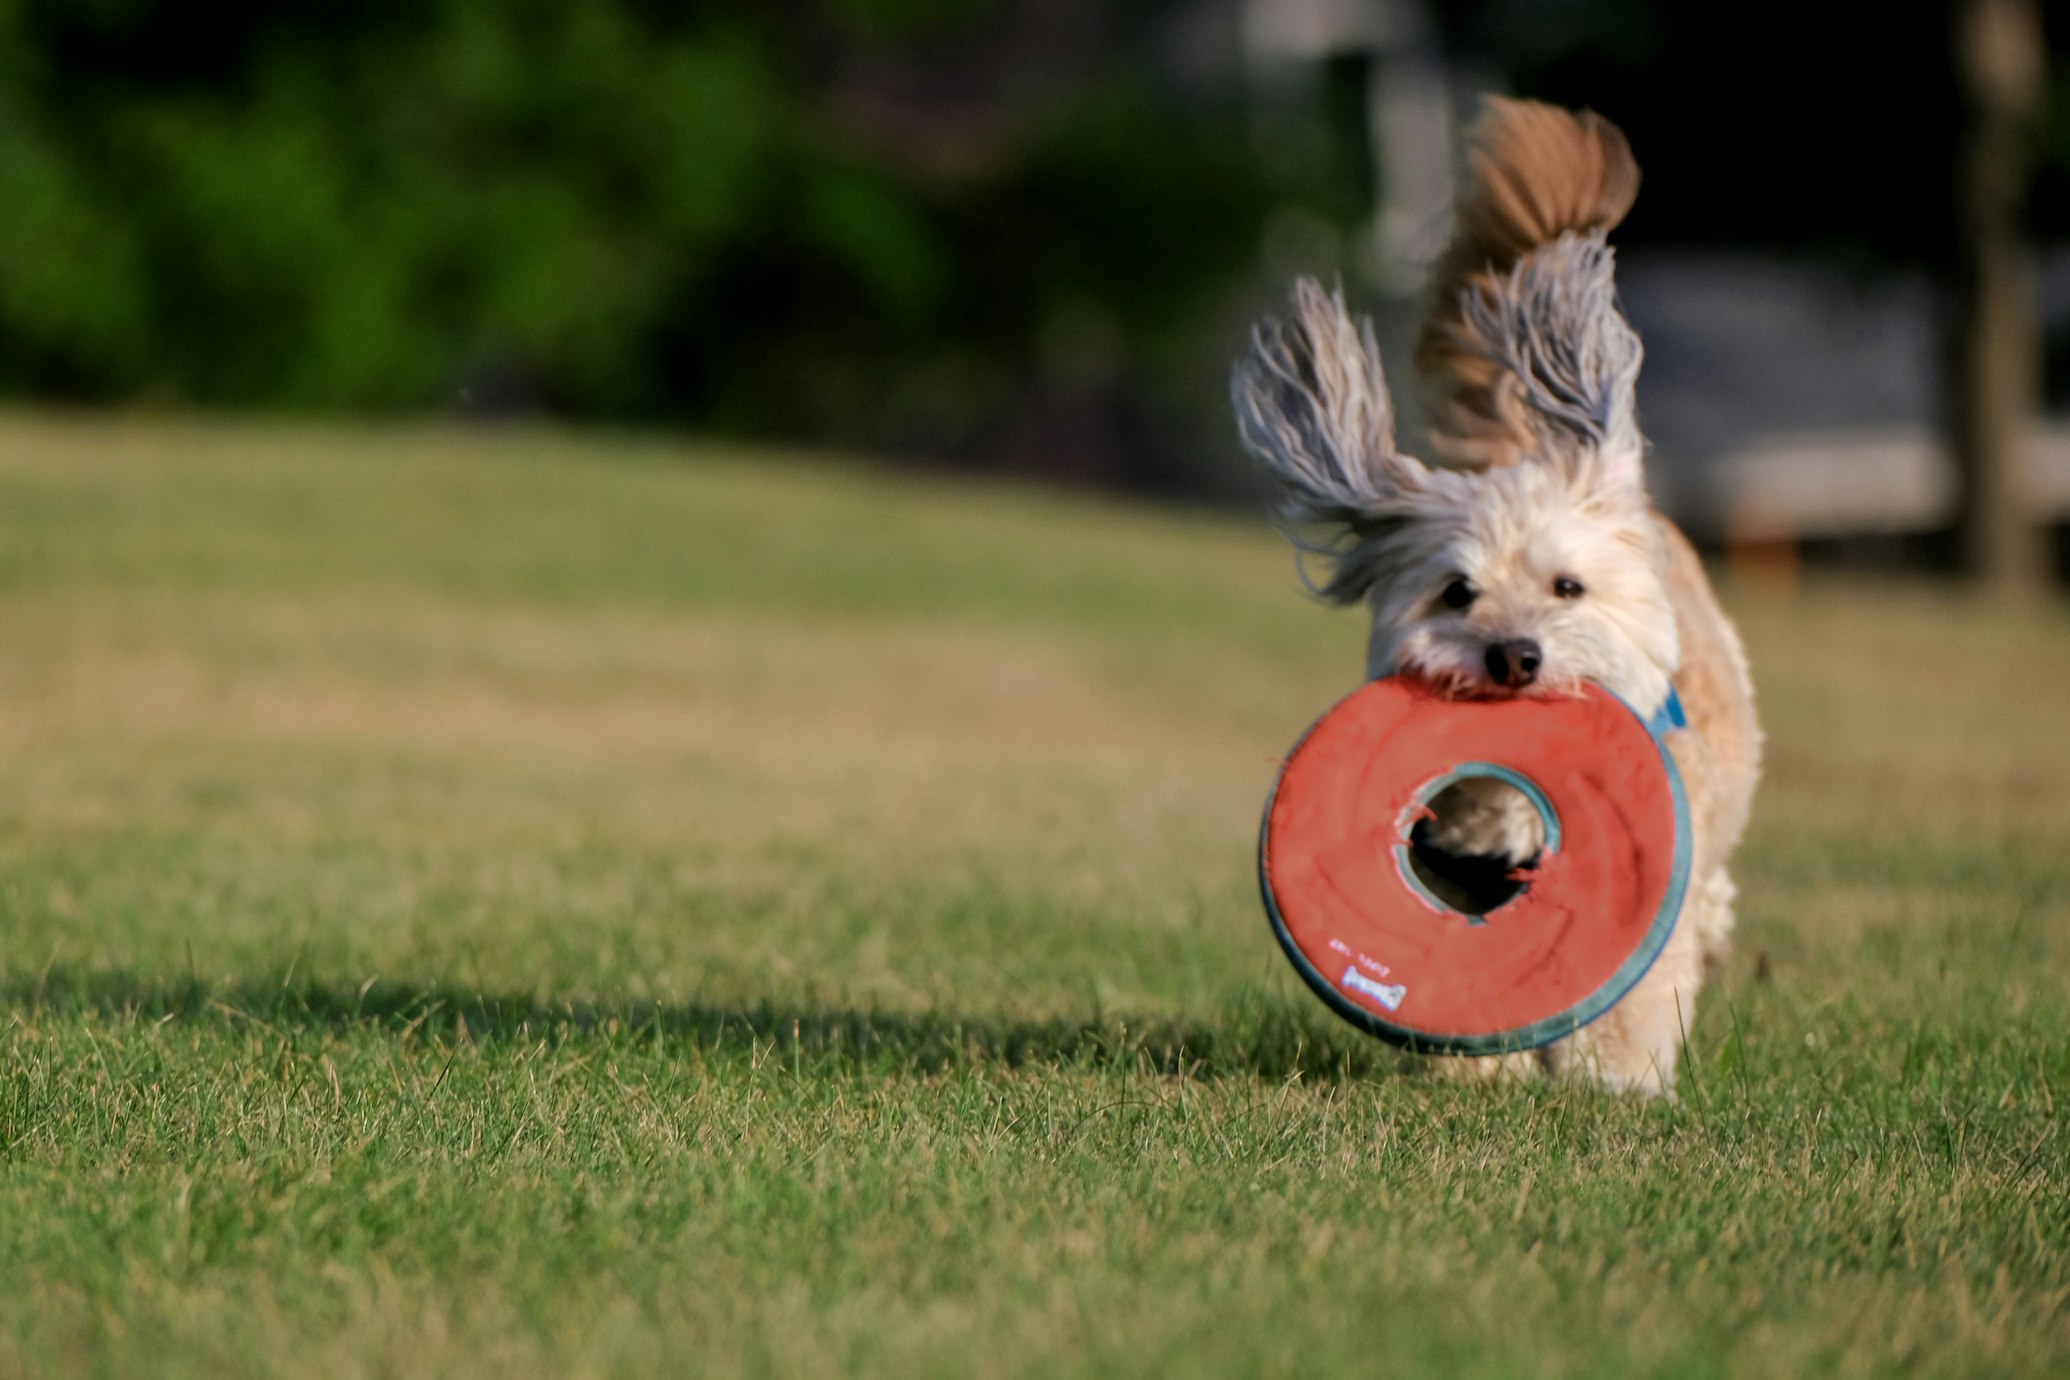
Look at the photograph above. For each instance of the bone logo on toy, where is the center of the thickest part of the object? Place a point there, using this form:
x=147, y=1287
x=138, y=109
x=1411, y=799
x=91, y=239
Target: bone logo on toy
x=1592, y=915
x=1388, y=994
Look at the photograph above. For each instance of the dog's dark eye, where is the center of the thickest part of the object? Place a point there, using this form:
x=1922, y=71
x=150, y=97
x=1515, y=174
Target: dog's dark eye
x=1460, y=593
x=1567, y=587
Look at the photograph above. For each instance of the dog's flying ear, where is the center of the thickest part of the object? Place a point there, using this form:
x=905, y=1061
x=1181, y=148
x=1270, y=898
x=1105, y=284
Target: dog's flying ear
x=1312, y=406
x=1568, y=360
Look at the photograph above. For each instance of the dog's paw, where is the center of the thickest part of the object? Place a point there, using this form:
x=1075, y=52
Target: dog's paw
x=1475, y=843
x=1482, y=817
x=1523, y=1066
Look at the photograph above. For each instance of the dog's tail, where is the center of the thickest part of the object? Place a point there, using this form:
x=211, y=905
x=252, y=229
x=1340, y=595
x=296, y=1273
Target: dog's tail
x=1542, y=183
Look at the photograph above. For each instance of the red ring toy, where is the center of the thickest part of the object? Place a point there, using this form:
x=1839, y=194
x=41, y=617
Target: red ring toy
x=1387, y=955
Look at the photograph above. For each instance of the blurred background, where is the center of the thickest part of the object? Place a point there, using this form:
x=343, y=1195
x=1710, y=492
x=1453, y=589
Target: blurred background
x=1026, y=238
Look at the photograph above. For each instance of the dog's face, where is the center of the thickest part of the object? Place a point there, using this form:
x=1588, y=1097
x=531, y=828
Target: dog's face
x=1527, y=580
x=1538, y=572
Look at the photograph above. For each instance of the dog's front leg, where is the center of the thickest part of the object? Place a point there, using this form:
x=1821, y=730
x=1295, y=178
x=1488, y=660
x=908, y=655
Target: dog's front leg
x=1634, y=1046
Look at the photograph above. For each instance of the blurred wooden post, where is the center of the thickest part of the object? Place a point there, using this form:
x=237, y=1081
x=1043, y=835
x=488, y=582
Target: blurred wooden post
x=2001, y=65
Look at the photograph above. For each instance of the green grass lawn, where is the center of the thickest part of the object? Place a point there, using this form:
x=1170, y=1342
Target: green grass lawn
x=512, y=904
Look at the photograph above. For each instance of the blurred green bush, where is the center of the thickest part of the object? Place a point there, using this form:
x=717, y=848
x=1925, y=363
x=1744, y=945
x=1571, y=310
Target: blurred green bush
x=872, y=220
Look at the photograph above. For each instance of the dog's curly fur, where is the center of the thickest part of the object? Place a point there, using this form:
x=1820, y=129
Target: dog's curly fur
x=1529, y=526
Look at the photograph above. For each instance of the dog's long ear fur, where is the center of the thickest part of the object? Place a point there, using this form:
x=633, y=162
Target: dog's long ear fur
x=1312, y=406
x=1524, y=354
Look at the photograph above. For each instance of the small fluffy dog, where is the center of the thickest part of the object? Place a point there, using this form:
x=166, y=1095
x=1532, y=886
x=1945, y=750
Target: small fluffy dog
x=1523, y=557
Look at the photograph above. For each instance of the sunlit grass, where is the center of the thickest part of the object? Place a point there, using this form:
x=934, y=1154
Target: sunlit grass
x=521, y=904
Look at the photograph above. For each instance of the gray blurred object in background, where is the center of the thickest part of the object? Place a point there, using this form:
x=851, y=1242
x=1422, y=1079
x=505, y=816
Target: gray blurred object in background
x=1414, y=103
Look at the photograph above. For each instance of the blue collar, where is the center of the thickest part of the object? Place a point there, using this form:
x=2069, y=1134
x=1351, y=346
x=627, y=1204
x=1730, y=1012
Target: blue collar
x=1669, y=716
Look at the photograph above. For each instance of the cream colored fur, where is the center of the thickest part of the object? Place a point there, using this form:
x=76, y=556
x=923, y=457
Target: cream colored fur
x=1536, y=487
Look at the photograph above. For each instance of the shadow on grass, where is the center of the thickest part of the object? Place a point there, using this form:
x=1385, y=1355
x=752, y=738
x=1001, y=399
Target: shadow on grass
x=1254, y=1037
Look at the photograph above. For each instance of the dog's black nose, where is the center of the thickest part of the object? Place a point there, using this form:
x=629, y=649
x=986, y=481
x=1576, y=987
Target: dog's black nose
x=1514, y=664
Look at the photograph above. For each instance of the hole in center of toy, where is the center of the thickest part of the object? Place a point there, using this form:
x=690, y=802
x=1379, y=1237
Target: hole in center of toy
x=1477, y=831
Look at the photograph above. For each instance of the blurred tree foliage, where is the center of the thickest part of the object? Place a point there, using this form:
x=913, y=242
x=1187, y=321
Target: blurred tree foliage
x=857, y=218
